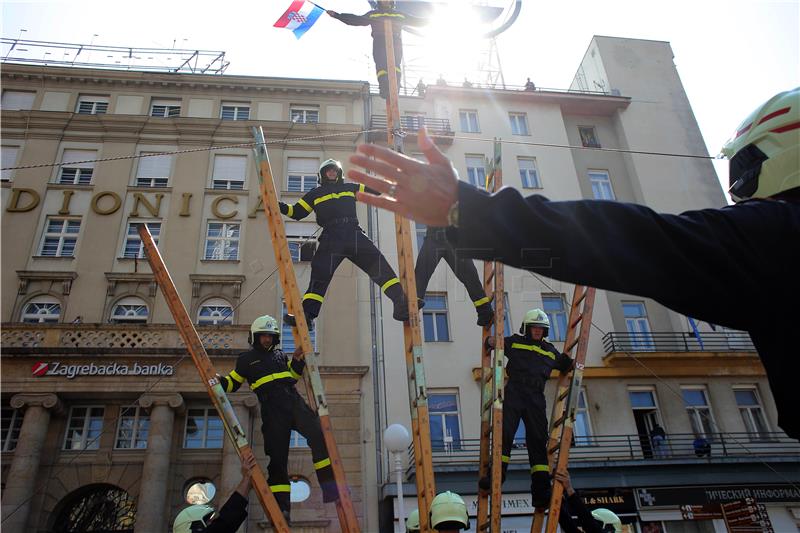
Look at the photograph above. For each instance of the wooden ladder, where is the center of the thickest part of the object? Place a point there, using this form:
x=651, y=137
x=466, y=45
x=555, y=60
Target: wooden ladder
x=566, y=401
x=316, y=392
x=209, y=376
x=491, y=449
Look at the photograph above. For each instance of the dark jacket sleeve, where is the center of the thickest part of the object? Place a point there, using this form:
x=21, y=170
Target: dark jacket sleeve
x=353, y=20
x=230, y=516
x=301, y=209
x=563, y=362
x=698, y=263
x=585, y=518
x=235, y=378
x=296, y=367
x=360, y=187
x=412, y=20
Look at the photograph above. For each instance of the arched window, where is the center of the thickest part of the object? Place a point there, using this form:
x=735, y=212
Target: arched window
x=97, y=508
x=129, y=310
x=42, y=309
x=215, y=312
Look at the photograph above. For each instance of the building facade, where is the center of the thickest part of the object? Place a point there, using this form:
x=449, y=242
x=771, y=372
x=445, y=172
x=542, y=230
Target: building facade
x=102, y=404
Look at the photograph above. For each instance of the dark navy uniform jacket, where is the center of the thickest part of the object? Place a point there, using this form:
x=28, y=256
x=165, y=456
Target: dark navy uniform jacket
x=263, y=370
x=376, y=17
x=333, y=202
x=529, y=366
x=738, y=266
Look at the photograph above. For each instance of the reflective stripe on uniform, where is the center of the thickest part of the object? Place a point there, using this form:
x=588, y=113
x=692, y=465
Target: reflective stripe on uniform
x=290, y=211
x=478, y=303
x=235, y=375
x=312, y=296
x=379, y=15
x=382, y=72
x=270, y=377
x=532, y=348
x=322, y=464
x=333, y=196
x=294, y=374
x=505, y=458
x=540, y=468
x=305, y=205
x=389, y=283
x=280, y=488
x=362, y=187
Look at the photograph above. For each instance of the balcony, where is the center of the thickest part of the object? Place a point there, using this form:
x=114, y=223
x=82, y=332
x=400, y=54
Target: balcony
x=677, y=449
x=729, y=341
x=439, y=128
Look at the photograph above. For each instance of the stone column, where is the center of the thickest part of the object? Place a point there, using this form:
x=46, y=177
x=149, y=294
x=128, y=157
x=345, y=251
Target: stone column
x=21, y=478
x=151, y=509
x=231, y=466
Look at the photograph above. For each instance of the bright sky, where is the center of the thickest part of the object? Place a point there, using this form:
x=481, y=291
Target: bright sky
x=731, y=54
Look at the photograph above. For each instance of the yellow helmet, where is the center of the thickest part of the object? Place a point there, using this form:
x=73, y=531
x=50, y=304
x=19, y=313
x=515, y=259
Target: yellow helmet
x=190, y=515
x=264, y=324
x=412, y=524
x=765, y=150
x=611, y=521
x=535, y=317
x=449, y=509
x=330, y=163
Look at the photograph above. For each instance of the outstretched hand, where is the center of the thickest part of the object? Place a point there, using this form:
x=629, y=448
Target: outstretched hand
x=420, y=191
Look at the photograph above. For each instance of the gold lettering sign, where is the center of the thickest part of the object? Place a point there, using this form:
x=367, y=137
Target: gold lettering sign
x=139, y=198
x=219, y=199
x=258, y=207
x=65, y=202
x=16, y=195
x=187, y=196
x=117, y=203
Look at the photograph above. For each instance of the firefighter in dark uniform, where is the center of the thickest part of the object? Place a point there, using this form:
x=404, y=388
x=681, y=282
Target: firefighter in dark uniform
x=530, y=360
x=703, y=263
x=335, y=204
x=272, y=376
x=434, y=248
x=375, y=18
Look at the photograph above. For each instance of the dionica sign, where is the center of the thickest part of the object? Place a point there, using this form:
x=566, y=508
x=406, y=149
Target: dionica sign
x=71, y=371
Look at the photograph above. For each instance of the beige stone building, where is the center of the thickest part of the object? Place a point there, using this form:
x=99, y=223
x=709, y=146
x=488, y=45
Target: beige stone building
x=101, y=403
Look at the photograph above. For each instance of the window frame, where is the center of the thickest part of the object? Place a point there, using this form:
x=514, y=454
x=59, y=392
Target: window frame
x=62, y=236
x=229, y=181
x=238, y=109
x=155, y=182
x=529, y=177
x=24, y=314
x=583, y=440
x=468, y=121
x=99, y=104
x=709, y=426
x=17, y=96
x=134, y=236
x=10, y=434
x=226, y=319
x=303, y=112
x=7, y=176
x=427, y=311
x=519, y=122
x=204, y=441
x=555, y=325
x=225, y=240
x=601, y=178
x=286, y=332
x=86, y=442
x=754, y=435
x=82, y=173
x=129, y=301
x=588, y=136
x=456, y=444
x=136, y=430
x=639, y=340
x=311, y=174
x=169, y=105
x=301, y=243
x=473, y=171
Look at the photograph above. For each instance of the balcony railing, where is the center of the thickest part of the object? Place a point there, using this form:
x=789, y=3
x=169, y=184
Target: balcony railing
x=439, y=127
x=729, y=341
x=464, y=453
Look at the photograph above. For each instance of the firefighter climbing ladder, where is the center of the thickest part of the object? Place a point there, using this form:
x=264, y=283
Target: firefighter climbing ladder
x=490, y=462
x=316, y=392
x=417, y=393
x=209, y=376
x=566, y=401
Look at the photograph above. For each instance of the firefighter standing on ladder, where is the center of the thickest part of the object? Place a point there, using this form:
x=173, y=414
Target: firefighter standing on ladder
x=374, y=18
x=530, y=360
x=342, y=238
x=272, y=376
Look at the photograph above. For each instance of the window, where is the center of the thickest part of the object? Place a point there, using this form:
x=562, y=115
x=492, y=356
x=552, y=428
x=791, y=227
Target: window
x=519, y=436
x=302, y=174
x=96, y=507
x=434, y=318
x=697, y=407
x=9, y=428
x=215, y=312
x=519, y=123
x=229, y=172
x=162, y=107
x=302, y=241
x=304, y=115
x=60, y=236
x=84, y=427
x=296, y=440
x=235, y=111
x=413, y=121
x=554, y=307
x=646, y=417
x=203, y=429
x=92, y=105
x=469, y=121
x=42, y=309
x=588, y=136
x=153, y=170
x=132, y=428
x=130, y=310
x=222, y=241
x=8, y=158
x=421, y=230
x=134, y=248
x=476, y=170
x=752, y=414
x=638, y=326
x=528, y=173
x=582, y=427
x=445, y=429
x=17, y=100
x=601, y=185
x=287, y=339
x=77, y=167
x=299, y=490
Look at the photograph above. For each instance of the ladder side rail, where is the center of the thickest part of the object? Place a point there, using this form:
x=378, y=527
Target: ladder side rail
x=317, y=398
x=486, y=384
x=208, y=374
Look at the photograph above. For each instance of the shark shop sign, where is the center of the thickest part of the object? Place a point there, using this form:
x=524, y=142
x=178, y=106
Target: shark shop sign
x=71, y=371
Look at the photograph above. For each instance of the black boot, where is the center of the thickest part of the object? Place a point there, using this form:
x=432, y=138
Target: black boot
x=289, y=319
x=540, y=489
x=485, y=314
x=401, y=309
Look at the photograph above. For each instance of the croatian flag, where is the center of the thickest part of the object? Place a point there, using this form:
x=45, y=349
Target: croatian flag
x=299, y=18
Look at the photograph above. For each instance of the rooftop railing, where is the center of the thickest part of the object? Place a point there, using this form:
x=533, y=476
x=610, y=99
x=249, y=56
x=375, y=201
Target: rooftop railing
x=729, y=341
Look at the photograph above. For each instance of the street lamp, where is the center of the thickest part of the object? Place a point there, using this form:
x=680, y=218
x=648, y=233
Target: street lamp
x=397, y=439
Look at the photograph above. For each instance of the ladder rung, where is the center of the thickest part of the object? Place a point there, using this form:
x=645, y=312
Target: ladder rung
x=490, y=277
x=582, y=296
x=571, y=345
x=553, y=450
x=563, y=395
x=577, y=320
x=560, y=420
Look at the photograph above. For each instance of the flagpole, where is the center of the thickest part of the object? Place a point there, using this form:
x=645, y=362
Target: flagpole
x=316, y=4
